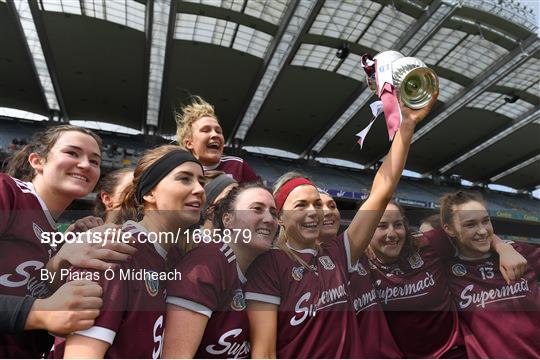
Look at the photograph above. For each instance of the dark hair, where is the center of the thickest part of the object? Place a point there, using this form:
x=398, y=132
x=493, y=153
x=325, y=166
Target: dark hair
x=226, y=205
x=433, y=220
x=460, y=197
x=19, y=167
x=108, y=184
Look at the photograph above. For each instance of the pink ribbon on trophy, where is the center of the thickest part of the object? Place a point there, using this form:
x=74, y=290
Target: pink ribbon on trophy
x=380, y=76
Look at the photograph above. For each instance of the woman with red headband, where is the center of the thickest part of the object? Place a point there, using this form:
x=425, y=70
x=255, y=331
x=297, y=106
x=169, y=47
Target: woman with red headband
x=299, y=305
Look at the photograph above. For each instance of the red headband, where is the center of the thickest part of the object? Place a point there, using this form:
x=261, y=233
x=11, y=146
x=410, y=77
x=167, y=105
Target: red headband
x=283, y=193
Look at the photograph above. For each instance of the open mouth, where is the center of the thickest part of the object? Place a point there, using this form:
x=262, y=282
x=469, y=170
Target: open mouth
x=195, y=205
x=214, y=145
x=310, y=225
x=329, y=222
x=79, y=177
x=263, y=231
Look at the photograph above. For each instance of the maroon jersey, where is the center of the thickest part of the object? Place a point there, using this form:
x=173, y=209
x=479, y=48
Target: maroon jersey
x=375, y=339
x=212, y=286
x=498, y=320
x=415, y=295
x=314, y=310
x=237, y=167
x=23, y=218
x=133, y=311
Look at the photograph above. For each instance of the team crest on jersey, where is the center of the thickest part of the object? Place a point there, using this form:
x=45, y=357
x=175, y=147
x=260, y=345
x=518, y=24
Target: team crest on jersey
x=459, y=269
x=394, y=271
x=297, y=273
x=238, y=302
x=360, y=269
x=327, y=263
x=415, y=260
x=152, y=285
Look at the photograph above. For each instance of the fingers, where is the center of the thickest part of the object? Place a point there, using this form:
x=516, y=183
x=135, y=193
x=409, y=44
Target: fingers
x=111, y=255
x=121, y=248
x=505, y=275
x=97, y=264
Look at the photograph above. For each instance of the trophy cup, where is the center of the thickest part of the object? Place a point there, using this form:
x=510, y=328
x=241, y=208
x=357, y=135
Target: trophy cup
x=414, y=81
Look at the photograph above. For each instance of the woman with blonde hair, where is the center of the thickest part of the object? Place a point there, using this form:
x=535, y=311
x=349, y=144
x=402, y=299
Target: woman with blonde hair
x=199, y=131
x=299, y=304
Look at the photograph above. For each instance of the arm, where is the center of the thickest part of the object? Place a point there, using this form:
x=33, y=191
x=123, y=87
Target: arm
x=512, y=264
x=73, y=307
x=385, y=182
x=90, y=255
x=14, y=312
x=83, y=347
x=184, y=330
x=263, y=329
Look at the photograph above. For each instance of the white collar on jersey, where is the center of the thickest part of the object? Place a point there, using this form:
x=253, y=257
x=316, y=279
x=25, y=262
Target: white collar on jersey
x=241, y=275
x=42, y=204
x=160, y=250
x=485, y=256
x=303, y=251
x=212, y=167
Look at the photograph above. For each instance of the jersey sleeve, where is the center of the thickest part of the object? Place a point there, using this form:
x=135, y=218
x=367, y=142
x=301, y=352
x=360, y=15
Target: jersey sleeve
x=340, y=249
x=204, y=281
x=248, y=175
x=439, y=242
x=115, y=304
x=263, y=280
x=7, y=202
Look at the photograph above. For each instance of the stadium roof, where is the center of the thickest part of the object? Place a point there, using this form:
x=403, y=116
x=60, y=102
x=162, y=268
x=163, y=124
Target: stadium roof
x=270, y=68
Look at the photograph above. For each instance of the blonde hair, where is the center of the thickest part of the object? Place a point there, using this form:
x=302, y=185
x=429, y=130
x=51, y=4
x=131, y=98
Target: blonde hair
x=130, y=208
x=189, y=114
x=460, y=197
x=281, y=242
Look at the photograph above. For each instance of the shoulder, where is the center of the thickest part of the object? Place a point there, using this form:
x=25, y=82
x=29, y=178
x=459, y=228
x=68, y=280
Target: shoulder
x=14, y=185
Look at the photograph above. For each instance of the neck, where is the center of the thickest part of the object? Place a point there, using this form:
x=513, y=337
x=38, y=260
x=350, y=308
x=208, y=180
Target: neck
x=155, y=224
x=56, y=203
x=469, y=253
x=244, y=257
x=301, y=245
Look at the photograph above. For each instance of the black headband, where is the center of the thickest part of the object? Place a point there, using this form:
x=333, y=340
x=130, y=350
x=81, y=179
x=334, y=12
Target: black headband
x=161, y=168
x=215, y=187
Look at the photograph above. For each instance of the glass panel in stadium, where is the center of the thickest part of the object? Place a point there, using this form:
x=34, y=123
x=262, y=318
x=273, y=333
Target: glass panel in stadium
x=267, y=10
x=386, y=29
x=448, y=89
x=221, y=32
x=128, y=13
x=472, y=56
x=344, y=20
x=316, y=56
x=515, y=110
x=235, y=5
x=524, y=77
x=352, y=67
x=439, y=45
x=34, y=45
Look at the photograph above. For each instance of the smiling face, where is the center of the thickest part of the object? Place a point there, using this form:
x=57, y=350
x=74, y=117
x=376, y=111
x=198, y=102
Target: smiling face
x=471, y=227
x=179, y=196
x=206, y=141
x=331, y=218
x=71, y=168
x=389, y=237
x=302, y=216
x=255, y=210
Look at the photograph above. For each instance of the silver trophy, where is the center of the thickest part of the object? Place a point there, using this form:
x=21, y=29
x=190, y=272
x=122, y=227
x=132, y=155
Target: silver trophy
x=414, y=81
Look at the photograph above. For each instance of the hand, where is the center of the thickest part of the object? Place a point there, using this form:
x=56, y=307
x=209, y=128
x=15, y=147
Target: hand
x=511, y=264
x=84, y=224
x=88, y=255
x=415, y=116
x=73, y=307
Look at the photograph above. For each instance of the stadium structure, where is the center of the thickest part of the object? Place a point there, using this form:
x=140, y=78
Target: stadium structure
x=286, y=80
